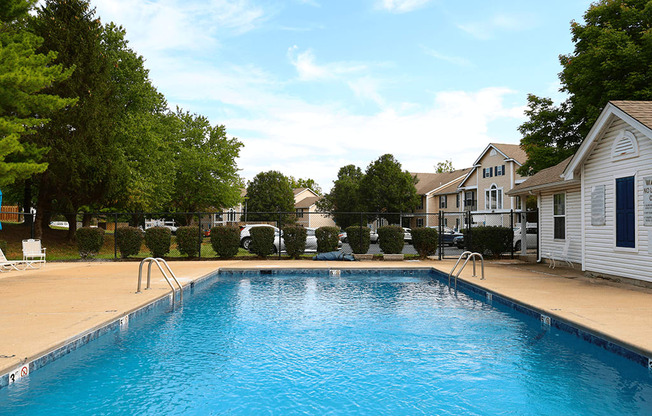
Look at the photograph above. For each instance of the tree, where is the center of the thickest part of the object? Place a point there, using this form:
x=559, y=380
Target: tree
x=305, y=183
x=385, y=187
x=612, y=60
x=270, y=192
x=24, y=106
x=344, y=198
x=445, y=166
x=206, y=169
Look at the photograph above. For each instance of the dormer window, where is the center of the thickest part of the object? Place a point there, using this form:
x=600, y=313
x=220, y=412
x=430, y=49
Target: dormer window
x=625, y=146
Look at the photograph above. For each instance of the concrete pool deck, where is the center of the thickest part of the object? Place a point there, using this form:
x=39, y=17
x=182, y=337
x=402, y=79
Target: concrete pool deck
x=44, y=309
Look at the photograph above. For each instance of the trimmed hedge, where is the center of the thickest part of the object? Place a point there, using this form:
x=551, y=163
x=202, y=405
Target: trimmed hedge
x=391, y=239
x=489, y=240
x=225, y=241
x=188, y=240
x=158, y=240
x=262, y=241
x=294, y=238
x=359, y=239
x=425, y=241
x=327, y=239
x=129, y=240
x=89, y=241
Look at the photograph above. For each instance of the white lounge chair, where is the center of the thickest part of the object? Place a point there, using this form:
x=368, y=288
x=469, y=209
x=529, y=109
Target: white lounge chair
x=11, y=264
x=560, y=255
x=33, y=253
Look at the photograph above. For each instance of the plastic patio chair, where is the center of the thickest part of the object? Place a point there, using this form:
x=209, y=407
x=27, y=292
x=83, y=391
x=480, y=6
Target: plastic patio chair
x=11, y=264
x=560, y=255
x=33, y=253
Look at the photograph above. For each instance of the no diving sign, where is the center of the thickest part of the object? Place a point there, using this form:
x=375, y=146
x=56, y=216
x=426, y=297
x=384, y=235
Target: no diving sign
x=18, y=373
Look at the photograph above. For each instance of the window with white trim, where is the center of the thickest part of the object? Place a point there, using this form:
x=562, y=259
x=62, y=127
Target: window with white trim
x=443, y=201
x=419, y=222
x=559, y=216
x=488, y=172
x=493, y=198
x=499, y=170
x=300, y=212
x=230, y=216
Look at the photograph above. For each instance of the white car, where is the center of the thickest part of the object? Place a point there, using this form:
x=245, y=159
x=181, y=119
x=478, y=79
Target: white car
x=531, y=232
x=245, y=236
x=311, y=241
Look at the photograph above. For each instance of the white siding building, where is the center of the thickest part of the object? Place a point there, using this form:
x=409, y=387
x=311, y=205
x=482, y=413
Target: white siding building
x=608, y=217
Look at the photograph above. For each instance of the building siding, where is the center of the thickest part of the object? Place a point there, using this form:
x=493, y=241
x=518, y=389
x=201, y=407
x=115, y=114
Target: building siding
x=573, y=224
x=601, y=254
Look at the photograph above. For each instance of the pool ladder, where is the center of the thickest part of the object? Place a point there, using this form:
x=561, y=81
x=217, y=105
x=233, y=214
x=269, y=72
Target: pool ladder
x=158, y=261
x=468, y=256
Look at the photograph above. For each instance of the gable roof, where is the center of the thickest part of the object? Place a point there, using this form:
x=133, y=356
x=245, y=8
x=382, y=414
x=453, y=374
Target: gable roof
x=430, y=182
x=307, y=202
x=544, y=178
x=637, y=114
x=509, y=151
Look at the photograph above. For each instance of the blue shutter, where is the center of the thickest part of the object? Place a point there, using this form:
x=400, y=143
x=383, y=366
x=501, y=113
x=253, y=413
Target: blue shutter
x=625, y=219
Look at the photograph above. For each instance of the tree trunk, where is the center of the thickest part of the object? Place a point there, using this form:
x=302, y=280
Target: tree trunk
x=86, y=219
x=72, y=225
x=43, y=209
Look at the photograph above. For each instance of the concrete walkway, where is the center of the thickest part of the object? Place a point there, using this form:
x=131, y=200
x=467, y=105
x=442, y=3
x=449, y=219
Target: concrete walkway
x=44, y=309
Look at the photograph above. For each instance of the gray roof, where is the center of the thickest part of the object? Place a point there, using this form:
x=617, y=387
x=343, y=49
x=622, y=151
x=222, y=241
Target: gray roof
x=543, y=178
x=512, y=151
x=640, y=110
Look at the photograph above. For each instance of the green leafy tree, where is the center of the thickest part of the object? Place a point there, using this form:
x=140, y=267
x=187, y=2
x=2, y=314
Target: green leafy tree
x=445, y=166
x=270, y=192
x=344, y=199
x=386, y=187
x=206, y=169
x=612, y=60
x=24, y=103
x=305, y=183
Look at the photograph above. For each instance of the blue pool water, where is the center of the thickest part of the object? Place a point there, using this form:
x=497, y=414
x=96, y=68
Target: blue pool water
x=370, y=345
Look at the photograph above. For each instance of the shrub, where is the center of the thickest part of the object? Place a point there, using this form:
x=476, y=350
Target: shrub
x=262, y=241
x=225, y=241
x=294, y=238
x=488, y=240
x=327, y=239
x=425, y=241
x=89, y=241
x=129, y=240
x=158, y=240
x=358, y=239
x=391, y=239
x=188, y=240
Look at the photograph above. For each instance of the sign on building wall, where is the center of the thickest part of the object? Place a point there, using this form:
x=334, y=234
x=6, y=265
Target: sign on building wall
x=597, y=205
x=647, y=201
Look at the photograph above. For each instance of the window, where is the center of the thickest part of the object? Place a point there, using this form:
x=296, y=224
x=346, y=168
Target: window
x=469, y=200
x=420, y=206
x=419, y=222
x=517, y=202
x=457, y=200
x=559, y=216
x=443, y=201
x=230, y=216
x=299, y=212
x=500, y=170
x=493, y=198
x=625, y=215
x=487, y=172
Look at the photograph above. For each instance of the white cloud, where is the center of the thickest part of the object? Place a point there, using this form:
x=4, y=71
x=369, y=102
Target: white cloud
x=401, y=6
x=487, y=29
x=456, y=60
x=308, y=69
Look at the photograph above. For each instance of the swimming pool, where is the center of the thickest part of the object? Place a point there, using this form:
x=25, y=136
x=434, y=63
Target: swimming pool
x=316, y=344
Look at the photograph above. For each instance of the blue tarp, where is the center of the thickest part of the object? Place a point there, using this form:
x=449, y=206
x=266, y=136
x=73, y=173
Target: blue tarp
x=334, y=255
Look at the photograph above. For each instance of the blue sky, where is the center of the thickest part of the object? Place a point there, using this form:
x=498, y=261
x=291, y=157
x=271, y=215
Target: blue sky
x=312, y=85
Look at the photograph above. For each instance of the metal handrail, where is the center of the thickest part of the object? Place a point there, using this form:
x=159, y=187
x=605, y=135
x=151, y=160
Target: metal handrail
x=469, y=255
x=158, y=262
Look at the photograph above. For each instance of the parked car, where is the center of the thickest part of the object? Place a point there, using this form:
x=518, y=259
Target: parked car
x=448, y=236
x=311, y=241
x=373, y=237
x=458, y=241
x=531, y=235
x=245, y=236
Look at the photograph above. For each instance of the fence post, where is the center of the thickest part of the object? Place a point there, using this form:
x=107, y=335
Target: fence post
x=360, y=235
x=511, y=227
x=201, y=235
x=441, y=237
x=115, y=236
x=31, y=230
x=280, y=222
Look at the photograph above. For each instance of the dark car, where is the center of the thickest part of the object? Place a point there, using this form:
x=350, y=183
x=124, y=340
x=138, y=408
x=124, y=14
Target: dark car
x=448, y=236
x=459, y=241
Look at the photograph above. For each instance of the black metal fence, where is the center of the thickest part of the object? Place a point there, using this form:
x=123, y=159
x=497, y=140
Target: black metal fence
x=452, y=227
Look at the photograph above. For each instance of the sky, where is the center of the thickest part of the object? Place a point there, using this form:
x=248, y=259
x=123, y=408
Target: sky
x=309, y=86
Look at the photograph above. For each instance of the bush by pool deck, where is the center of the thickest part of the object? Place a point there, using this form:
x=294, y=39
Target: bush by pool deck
x=43, y=310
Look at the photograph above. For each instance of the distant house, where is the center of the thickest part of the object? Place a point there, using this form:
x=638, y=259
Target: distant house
x=493, y=174
x=438, y=192
x=305, y=205
x=599, y=202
